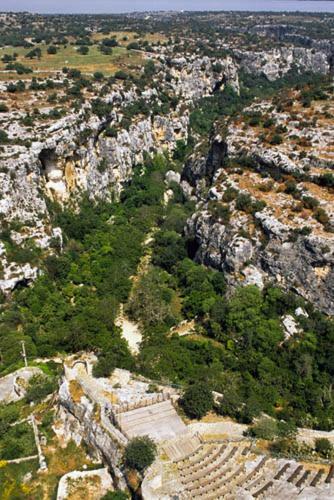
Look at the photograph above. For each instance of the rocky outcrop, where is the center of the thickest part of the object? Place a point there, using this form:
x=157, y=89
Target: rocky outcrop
x=95, y=483
x=205, y=165
x=281, y=230
x=193, y=79
x=13, y=386
x=74, y=155
x=305, y=266
x=105, y=440
x=276, y=63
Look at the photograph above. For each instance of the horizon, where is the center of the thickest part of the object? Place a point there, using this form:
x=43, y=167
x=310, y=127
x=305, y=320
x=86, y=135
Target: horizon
x=105, y=7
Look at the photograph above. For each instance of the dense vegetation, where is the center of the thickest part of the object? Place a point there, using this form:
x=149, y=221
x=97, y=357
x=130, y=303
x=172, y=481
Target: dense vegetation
x=238, y=349
x=74, y=303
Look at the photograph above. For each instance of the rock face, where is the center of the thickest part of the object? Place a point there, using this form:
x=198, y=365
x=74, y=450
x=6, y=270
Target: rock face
x=95, y=153
x=263, y=213
x=13, y=386
x=276, y=63
x=74, y=155
x=301, y=266
x=105, y=441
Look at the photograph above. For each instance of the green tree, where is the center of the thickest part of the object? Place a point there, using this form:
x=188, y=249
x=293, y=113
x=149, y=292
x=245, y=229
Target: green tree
x=140, y=453
x=197, y=400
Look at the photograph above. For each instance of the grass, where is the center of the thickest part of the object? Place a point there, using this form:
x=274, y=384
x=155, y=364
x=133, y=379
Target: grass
x=18, y=442
x=131, y=37
x=11, y=480
x=60, y=461
x=68, y=56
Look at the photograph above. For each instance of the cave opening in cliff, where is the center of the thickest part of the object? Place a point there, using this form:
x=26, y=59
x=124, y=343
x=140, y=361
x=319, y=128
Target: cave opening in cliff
x=48, y=158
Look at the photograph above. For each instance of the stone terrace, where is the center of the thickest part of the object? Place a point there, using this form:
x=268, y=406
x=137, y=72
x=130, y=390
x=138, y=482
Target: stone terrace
x=159, y=421
x=232, y=470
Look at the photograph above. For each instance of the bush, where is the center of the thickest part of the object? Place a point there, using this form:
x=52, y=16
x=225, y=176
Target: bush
x=115, y=495
x=243, y=202
x=169, y=248
x=276, y=139
x=83, y=50
x=321, y=216
x=133, y=46
x=121, y=75
x=8, y=415
x=107, y=51
x=310, y=202
x=52, y=49
x=3, y=137
x=324, y=447
x=326, y=179
x=109, y=42
x=266, y=428
x=197, y=400
x=16, y=87
x=98, y=75
x=110, y=132
x=140, y=453
x=34, y=53
x=39, y=387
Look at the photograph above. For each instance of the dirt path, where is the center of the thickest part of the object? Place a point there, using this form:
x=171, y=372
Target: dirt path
x=130, y=331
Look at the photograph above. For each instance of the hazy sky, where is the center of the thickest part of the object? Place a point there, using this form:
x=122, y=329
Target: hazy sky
x=103, y=6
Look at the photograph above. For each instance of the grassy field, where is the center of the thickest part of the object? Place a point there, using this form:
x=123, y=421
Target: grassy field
x=11, y=480
x=120, y=59
x=68, y=56
x=130, y=36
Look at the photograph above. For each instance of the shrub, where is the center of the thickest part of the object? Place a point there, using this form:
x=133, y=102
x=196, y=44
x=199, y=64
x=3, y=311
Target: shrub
x=217, y=68
x=115, y=495
x=34, y=53
x=52, y=49
x=110, y=131
x=107, y=51
x=73, y=73
x=291, y=187
x=8, y=415
x=219, y=211
x=326, y=179
x=3, y=137
x=310, y=202
x=109, y=42
x=197, y=400
x=133, y=46
x=17, y=442
x=39, y=387
x=83, y=50
x=276, y=139
x=121, y=75
x=140, y=453
x=324, y=447
x=3, y=107
x=230, y=194
x=98, y=75
x=102, y=165
x=243, y=202
x=321, y=216
x=266, y=428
